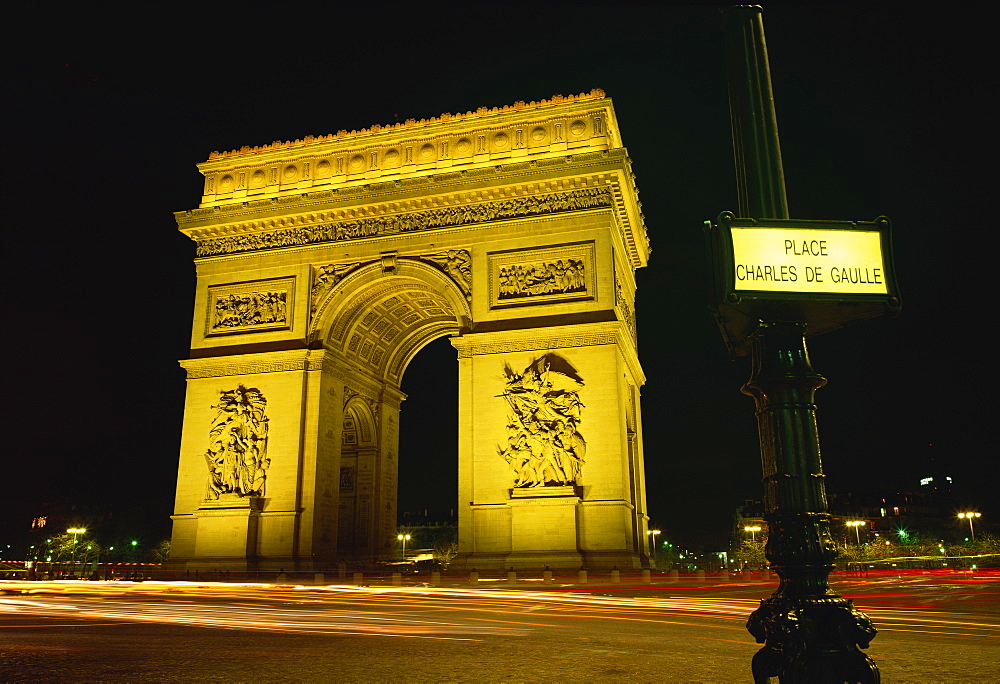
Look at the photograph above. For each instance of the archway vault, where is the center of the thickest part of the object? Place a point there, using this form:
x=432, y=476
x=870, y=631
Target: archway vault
x=326, y=264
x=378, y=317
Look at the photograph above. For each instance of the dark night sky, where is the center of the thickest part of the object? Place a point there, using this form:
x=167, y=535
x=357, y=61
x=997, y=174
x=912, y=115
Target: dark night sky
x=880, y=112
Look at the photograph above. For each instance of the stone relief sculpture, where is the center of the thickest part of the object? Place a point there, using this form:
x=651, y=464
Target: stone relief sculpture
x=622, y=302
x=544, y=445
x=542, y=278
x=531, y=205
x=248, y=309
x=326, y=277
x=237, y=444
x=457, y=263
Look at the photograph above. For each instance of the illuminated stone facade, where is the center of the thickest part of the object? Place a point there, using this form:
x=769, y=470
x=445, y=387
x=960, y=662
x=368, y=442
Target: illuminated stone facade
x=325, y=264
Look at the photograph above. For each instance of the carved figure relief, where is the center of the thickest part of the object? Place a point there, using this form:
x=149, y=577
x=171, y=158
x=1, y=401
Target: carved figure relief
x=326, y=277
x=249, y=309
x=528, y=277
x=542, y=278
x=544, y=445
x=237, y=444
x=531, y=205
x=622, y=302
x=457, y=263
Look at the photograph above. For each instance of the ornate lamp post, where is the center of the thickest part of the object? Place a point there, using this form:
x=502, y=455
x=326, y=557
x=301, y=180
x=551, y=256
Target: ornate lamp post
x=403, y=538
x=810, y=633
x=969, y=516
x=753, y=530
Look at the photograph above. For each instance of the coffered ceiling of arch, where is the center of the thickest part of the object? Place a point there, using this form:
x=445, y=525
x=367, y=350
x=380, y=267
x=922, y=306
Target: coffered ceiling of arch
x=375, y=336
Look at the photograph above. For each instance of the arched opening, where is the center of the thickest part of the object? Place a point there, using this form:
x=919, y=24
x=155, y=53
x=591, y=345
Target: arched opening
x=382, y=327
x=357, y=453
x=428, y=448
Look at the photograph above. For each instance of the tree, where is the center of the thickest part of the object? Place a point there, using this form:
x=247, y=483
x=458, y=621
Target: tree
x=750, y=555
x=160, y=553
x=72, y=547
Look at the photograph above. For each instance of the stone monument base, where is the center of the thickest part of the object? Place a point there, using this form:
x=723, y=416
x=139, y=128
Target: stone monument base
x=226, y=534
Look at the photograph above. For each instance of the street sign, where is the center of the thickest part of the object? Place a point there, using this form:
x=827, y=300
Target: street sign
x=824, y=273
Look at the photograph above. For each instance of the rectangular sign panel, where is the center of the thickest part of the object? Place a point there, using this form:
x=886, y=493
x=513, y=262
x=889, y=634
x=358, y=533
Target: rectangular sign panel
x=808, y=260
x=825, y=274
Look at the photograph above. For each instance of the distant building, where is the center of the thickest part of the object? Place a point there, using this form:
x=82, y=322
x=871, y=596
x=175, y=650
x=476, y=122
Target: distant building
x=926, y=511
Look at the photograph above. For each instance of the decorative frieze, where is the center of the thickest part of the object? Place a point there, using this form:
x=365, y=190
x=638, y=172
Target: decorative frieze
x=250, y=307
x=267, y=362
x=441, y=217
x=540, y=276
x=534, y=279
x=471, y=345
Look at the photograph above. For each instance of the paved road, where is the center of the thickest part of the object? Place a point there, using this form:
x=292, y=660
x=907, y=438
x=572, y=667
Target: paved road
x=929, y=631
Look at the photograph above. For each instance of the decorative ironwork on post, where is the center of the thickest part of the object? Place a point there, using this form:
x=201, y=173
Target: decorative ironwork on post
x=810, y=633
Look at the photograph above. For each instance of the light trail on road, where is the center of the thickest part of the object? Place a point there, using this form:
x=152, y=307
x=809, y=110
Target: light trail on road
x=420, y=612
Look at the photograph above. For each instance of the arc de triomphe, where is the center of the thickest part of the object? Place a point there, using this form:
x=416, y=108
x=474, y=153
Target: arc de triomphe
x=325, y=264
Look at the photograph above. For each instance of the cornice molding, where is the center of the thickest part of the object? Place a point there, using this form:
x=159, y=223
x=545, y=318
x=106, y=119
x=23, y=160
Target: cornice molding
x=406, y=222
x=400, y=207
x=555, y=337
x=489, y=182
x=264, y=362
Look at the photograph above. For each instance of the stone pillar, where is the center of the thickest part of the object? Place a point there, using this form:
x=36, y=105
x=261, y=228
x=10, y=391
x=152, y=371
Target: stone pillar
x=522, y=511
x=281, y=510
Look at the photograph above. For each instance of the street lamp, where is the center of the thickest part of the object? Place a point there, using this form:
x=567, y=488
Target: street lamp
x=969, y=516
x=753, y=530
x=856, y=524
x=652, y=535
x=75, y=531
x=403, y=538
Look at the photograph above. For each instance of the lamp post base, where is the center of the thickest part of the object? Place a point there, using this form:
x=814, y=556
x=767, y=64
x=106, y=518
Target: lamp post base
x=812, y=640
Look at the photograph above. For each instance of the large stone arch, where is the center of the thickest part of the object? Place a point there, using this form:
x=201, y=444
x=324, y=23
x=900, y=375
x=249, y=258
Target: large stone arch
x=325, y=265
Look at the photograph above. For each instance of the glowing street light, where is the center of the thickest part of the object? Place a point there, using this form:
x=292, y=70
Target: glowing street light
x=75, y=531
x=856, y=524
x=403, y=538
x=753, y=530
x=652, y=535
x=969, y=516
